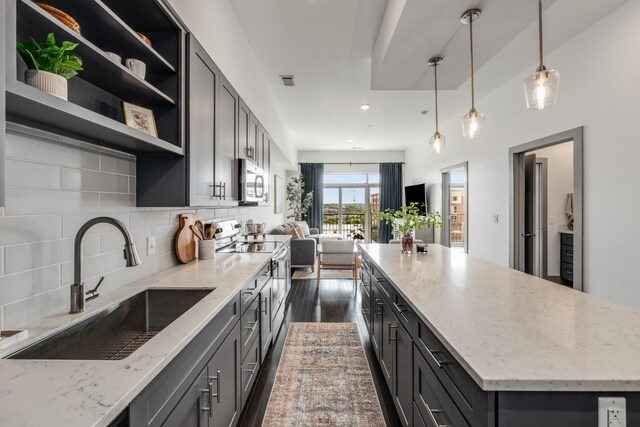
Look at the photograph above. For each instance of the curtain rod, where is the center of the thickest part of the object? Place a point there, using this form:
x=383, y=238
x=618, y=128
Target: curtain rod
x=349, y=163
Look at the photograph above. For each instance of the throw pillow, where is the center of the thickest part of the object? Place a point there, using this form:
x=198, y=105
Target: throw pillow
x=304, y=227
x=300, y=231
x=291, y=231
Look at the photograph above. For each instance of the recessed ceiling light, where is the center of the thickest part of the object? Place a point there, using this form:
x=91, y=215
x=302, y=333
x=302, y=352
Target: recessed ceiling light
x=358, y=148
x=365, y=107
x=349, y=140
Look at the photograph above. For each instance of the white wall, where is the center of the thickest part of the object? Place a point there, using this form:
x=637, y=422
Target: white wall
x=559, y=184
x=599, y=90
x=215, y=25
x=355, y=156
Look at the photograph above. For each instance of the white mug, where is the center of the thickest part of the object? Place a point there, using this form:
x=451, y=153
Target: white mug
x=117, y=58
x=137, y=67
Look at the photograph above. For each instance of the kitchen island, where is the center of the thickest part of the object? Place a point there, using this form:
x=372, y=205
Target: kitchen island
x=504, y=347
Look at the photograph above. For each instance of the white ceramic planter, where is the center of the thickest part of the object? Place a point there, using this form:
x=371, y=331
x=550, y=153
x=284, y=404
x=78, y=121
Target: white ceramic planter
x=47, y=82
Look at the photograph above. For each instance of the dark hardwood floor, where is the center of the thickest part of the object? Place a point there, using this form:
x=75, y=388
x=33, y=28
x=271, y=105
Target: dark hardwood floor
x=335, y=301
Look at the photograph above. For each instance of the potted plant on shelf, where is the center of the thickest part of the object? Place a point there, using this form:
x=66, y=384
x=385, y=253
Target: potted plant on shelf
x=406, y=220
x=50, y=66
x=298, y=206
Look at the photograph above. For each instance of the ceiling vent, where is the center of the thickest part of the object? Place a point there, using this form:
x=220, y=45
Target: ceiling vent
x=287, y=80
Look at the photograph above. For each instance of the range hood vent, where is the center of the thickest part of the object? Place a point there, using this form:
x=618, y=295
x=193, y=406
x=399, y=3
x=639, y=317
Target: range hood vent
x=287, y=80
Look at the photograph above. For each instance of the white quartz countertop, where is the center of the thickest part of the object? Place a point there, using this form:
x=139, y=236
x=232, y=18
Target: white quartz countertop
x=93, y=393
x=513, y=331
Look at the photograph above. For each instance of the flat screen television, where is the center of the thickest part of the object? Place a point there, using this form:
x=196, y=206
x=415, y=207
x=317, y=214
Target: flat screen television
x=416, y=193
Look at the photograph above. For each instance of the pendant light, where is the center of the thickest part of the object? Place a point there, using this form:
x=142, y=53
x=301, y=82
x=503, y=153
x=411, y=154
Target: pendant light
x=472, y=123
x=436, y=142
x=541, y=88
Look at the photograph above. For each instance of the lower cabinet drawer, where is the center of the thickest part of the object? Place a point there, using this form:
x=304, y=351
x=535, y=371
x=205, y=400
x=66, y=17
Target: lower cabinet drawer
x=250, y=323
x=278, y=320
x=365, y=301
x=249, y=370
x=566, y=271
x=566, y=253
x=469, y=397
x=417, y=418
x=434, y=404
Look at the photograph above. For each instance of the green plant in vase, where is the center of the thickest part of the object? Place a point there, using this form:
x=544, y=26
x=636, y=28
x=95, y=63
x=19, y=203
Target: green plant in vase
x=298, y=205
x=407, y=219
x=49, y=65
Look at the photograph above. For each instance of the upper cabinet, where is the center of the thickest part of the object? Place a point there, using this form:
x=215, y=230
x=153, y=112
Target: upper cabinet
x=130, y=93
x=226, y=151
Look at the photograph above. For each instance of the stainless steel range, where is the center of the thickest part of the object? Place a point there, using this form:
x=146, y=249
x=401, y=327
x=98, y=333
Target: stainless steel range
x=228, y=235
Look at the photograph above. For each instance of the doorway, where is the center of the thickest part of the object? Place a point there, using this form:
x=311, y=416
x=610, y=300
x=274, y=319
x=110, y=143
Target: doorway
x=455, y=203
x=546, y=208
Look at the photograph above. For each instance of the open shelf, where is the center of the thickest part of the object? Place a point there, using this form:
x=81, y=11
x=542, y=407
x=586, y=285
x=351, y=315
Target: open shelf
x=30, y=106
x=99, y=69
x=103, y=27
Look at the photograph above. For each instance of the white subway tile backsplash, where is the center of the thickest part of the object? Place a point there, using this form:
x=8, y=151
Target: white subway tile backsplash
x=33, y=255
x=110, y=203
x=149, y=219
x=41, y=150
x=26, y=201
x=162, y=232
x=32, y=175
x=29, y=310
x=115, y=164
x=19, y=286
x=82, y=180
x=132, y=185
x=71, y=223
x=23, y=229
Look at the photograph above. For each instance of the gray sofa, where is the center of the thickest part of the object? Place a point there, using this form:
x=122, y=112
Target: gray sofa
x=303, y=251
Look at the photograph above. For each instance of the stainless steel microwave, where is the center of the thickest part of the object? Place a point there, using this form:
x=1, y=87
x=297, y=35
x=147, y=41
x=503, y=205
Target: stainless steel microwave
x=251, y=182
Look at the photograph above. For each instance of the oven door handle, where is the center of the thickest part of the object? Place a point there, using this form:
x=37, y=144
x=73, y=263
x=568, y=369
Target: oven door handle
x=259, y=189
x=280, y=256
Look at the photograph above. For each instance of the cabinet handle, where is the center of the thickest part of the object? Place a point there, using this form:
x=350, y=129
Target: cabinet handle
x=380, y=308
x=264, y=306
x=255, y=366
x=208, y=391
x=252, y=327
x=433, y=353
x=399, y=308
x=221, y=192
x=432, y=413
x=218, y=380
x=390, y=328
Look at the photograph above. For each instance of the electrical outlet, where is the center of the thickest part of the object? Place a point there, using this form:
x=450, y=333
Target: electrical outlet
x=151, y=245
x=612, y=412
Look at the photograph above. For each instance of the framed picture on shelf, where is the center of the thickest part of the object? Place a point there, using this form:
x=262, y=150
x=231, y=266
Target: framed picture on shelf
x=139, y=118
x=278, y=191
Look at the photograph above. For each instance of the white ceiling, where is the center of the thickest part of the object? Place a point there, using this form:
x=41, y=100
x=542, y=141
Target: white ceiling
x=328, y=46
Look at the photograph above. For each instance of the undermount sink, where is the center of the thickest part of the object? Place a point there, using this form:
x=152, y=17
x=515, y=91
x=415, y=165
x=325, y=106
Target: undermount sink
x=117, y=332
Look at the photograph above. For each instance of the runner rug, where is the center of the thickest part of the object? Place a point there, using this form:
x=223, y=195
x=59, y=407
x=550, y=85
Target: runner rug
x=323, y=379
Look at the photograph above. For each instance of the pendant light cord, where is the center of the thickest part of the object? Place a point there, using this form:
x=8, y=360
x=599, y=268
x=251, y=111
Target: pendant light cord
x=473, y=98
x=540, y=32
x=435, y=72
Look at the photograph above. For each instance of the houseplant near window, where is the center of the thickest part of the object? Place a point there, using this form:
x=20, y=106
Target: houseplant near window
x=407, y=219
x=298, y=205
x=50, y=66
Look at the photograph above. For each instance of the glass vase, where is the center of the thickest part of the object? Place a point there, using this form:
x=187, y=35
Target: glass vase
x=407, y=243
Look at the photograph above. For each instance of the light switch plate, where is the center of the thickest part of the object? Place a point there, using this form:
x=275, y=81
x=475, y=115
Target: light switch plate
x=151, y=245
x=612, y=412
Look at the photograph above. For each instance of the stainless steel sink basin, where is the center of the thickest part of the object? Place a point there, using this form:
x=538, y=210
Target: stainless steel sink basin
x=117, y=332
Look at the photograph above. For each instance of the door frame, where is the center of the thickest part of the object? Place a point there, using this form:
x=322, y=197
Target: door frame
x=541, y=213
x=446, y=204
x=367, y=201
x=516, y=200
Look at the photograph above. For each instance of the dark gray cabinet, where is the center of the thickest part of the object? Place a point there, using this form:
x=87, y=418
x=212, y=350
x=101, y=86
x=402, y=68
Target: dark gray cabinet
x=402, y=390
x=226, y=148
x=224, y=383
x=566, y=258
x=266, y=326
x=203, y=109
x=249, y=370
x=194, y=408
x=247, y=132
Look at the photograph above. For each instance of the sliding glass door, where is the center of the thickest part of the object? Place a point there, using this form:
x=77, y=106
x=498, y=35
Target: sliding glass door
x=348, y=207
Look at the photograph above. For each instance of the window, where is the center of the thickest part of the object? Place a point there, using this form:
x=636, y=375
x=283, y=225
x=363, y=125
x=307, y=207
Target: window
x=455, y=209
x=351, y=178
x=454, y=199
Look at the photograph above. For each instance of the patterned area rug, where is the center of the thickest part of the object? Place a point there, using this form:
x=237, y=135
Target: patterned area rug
x=306, y=273
x=323, y=380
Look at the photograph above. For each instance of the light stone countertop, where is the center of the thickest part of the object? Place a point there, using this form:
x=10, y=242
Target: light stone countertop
x=93, y=393
x=513, y=331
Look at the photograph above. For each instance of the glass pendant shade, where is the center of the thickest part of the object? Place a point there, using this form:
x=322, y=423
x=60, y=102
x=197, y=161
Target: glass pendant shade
x=437, y=143
x=541, y=89
x=472, y=124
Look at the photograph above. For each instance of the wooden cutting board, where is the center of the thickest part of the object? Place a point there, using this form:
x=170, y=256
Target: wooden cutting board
x=185, y=239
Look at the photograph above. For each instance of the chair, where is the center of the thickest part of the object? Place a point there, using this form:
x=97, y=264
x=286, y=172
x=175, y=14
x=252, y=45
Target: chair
x=338, y=255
